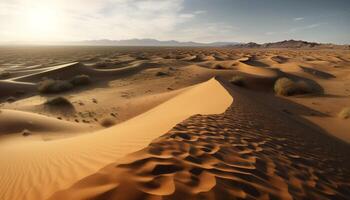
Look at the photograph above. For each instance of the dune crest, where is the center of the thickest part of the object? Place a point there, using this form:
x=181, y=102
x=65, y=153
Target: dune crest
x=152, y=123
x=61, y=162
x=12, y=121
x=248, y=152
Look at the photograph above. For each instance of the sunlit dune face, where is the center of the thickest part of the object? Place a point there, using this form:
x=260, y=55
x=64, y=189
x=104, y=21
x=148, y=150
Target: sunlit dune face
x=41, y=21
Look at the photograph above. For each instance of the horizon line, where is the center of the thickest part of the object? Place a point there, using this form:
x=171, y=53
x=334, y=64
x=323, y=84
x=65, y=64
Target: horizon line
x=62, y=43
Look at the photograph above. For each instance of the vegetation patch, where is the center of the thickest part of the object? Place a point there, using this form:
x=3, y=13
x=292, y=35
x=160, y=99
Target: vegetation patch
x=54, y=86
x=219, y=66
x=238, y=80
x=4, y=75
x=80, y=80
x=344, y=113
x=107, y=122
x=26, y=132
x=162, y=74
x=286, y=87
x=101, y=64
x=59, y=102
x=11, y=99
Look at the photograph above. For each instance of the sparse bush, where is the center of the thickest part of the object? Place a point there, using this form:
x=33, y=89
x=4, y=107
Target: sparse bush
x=54, y=86
x=101, y=65
x=344, y=113
x=304, y=87
x=286, y=87
x=141, y=57
x=19, y=93
x=26, y=132
x=59, y=101
x=107, y=122
x=162, y=74
x=4, y=75
x=11, y=99
x=238, y=80
x=219, y=66
x=80, y=80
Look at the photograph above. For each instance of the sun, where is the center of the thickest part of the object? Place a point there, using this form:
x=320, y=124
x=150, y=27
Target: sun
x=41, y=21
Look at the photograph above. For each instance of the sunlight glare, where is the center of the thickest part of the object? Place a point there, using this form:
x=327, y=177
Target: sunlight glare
x=41, y=20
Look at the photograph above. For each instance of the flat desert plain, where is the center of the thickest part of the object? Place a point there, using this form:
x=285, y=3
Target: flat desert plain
x=174, y=123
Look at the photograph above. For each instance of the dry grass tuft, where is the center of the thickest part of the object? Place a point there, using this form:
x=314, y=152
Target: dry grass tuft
x=11, y=99
x=107, y=122
x=26, y=132
x=54, y=86
x=162, y=74
x=238, y=80
x=80, y=80
x=344, y=113
x=286, y=87
x=4, y=75
x=59, y=102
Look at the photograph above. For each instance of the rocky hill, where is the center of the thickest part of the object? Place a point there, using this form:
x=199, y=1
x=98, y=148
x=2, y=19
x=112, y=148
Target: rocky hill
x=292, y=44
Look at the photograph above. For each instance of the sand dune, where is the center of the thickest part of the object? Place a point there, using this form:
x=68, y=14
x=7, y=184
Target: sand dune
x=21, y=84
x=317, y=73
x=266, y=72
x=12, y=121
x=15, y=88
x=57, y=164
x=173, y=131
x=71, y=69
x=227, y=156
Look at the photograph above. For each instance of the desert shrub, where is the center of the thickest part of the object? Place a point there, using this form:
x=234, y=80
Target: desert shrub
x=101, y=65
x=344, y=113
x=19, y=93
x=141, y=57
x=59, y=101
x=54, y=86
x=4, y=75
x=26, y=132
x=107, y=122
x=219, y=66
x=304, y=87
x=238, y=80
x=162, y=74
x=11, y=99
x=80, y=80
x=286, y=87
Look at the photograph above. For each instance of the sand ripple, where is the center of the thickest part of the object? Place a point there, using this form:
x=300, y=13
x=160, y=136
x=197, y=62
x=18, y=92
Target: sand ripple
x=248, y=152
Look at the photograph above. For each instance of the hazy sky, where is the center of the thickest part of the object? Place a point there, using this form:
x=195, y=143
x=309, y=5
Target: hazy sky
x=183, y=20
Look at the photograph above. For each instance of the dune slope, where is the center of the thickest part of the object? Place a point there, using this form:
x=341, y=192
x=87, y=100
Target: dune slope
x=55, y=165
x=12, y=121
x=249, y=152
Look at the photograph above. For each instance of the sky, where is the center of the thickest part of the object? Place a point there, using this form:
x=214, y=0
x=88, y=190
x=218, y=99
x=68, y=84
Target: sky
x=326, y=21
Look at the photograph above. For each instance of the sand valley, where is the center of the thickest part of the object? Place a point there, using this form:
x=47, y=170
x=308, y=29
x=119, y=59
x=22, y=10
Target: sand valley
x=80, y=122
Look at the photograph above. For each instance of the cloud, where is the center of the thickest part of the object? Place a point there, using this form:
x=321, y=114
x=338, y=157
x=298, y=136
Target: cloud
x=295, y=29
x=96, y=19
x=271, y=33
x=188, y=16
x=207, y=32
x=298, y=19
x=302, y=28
x=193, y=14
x=313, y=25
x=198, y=12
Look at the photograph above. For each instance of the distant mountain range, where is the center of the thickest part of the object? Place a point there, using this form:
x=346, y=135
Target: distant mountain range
x=300, y=44
x=290, y=44
x=148, y=42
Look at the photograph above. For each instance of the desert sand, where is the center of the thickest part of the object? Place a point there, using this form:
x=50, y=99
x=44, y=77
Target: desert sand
x=166, y=123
